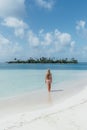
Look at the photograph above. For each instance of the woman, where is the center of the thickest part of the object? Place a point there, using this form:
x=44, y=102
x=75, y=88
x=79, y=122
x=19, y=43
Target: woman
x=48, y=79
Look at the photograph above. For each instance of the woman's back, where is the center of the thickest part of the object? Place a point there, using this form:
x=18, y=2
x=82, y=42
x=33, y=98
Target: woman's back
x=48, y=76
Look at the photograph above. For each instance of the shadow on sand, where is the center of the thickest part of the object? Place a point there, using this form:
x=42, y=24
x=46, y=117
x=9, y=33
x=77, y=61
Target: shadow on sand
x=57, y=90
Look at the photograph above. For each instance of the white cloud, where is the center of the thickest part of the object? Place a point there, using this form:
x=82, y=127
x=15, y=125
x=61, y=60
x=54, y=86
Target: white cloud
x=80, y=25
x=12, y=8
x=19, y=32
x=40, y=44
x=7, y=49
x=33, y=39
x=47, y=39
x=48, y=4
x=81, y=29
x=72, y=46
x=63, y=38
x=14, y=22
x=55, y=41
x=3, y=40
x=18, y=25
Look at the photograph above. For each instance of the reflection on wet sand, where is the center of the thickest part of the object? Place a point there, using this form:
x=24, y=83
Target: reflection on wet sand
x=49, y=98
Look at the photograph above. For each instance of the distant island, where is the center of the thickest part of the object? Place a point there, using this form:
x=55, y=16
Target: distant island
x=44, y=60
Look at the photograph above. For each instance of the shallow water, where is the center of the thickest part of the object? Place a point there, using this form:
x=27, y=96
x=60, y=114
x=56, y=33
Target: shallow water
x=16, y=79
x=14, y=82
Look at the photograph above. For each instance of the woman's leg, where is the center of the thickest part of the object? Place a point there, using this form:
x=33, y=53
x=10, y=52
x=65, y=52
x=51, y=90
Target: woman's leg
x=49, y=87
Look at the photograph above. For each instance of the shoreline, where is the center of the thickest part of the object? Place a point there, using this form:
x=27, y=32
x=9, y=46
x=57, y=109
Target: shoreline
x=37, y=100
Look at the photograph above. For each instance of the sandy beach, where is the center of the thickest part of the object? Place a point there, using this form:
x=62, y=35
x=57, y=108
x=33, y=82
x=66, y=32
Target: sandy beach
x=61, y=109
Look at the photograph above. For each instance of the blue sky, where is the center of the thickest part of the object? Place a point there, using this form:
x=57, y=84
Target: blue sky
x=49, y=28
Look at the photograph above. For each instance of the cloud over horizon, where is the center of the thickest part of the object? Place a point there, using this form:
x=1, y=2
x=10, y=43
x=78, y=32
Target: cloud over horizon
x=51, y=42
x=7, y=48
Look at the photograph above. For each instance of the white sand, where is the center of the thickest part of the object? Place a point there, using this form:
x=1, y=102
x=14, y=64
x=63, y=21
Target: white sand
x=70, y=114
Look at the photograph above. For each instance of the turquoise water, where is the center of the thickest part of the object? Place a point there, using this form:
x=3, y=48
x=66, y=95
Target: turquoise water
x=21, y=78
x=79, y=66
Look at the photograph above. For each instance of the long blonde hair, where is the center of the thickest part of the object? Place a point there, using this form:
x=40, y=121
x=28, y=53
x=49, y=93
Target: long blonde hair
x=48, y=74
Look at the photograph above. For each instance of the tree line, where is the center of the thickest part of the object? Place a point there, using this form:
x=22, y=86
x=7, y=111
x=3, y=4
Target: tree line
x=44, y=60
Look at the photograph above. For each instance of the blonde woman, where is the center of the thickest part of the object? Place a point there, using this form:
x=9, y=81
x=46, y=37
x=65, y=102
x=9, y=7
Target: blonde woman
x=48, y=80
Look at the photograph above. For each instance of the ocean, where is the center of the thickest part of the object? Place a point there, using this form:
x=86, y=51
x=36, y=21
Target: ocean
x=16, y=79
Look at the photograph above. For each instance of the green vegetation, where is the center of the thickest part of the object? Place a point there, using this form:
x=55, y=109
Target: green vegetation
x=45, y=60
